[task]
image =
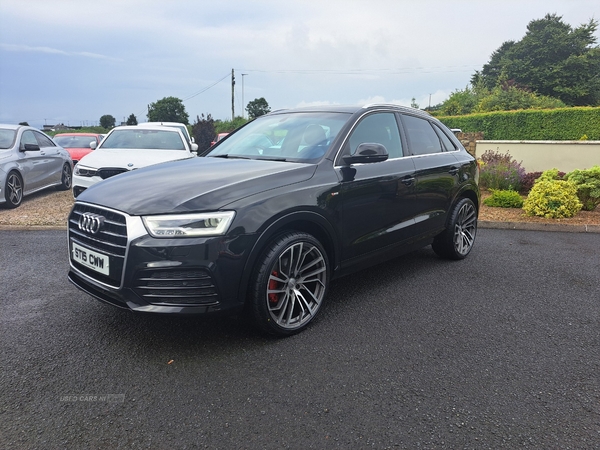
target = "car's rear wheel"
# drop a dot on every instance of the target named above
(66, 178)
(289, 284)
(13, 190)
(457, 240)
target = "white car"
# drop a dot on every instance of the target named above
(128, 148)
(182, 127)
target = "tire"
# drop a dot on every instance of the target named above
(13, 190)
(66, 180)
(457, 240)
(290, 284)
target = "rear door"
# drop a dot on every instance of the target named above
(437, 170)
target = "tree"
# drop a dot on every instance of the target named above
(132, 120)
(461, 102)
(507, 97)
(107, 121)
(228, 126)
(24, 123)
(258, 107)
(169, 109)
(553, 59)
(203, 131)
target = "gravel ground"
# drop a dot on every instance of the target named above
(50, 208)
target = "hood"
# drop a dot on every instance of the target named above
(131, 158)
(77, 153)
(199, 184)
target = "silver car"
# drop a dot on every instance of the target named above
(29, 162)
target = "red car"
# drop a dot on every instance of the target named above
(77, 144)
(218, 138)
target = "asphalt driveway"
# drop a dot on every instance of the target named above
(501, 350)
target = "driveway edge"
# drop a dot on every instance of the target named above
(531, 226)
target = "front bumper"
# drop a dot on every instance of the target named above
(80, 183)
(178, 276)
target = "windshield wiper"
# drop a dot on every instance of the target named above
(229, 156)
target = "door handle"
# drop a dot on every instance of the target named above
(408, 180)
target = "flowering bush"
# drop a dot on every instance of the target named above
(501, 172)
(552, 198)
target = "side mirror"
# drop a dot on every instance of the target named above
(93, 145)
(367, 153)
(31, 148)
(194, 148)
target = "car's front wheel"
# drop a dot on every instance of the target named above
(13, 190)
(66, 180)
(289, 284)
(457, 240)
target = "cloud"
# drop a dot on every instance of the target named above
(55, 51)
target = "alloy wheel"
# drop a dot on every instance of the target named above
(296, 285)
(14, 189)
(465, 228)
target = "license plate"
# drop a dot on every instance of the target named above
(91, 259)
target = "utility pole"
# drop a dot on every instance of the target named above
(233, 96)
(243, 106)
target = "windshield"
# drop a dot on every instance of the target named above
(144, 139)
(7, 138)
(297, 137)
(180, 127)
(74, 141)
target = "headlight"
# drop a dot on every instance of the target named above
(189, 225)
(84, 171)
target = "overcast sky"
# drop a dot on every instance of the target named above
(72, 61)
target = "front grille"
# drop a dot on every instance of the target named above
(108, 172)
(176, 287)
(111, 240)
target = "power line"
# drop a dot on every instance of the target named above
(206, 88)
(370, 71)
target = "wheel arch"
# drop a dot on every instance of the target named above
(304, 221)
(470, 194)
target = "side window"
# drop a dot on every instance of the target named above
(422, 138)
(28, 138)
(43, 141)
(378, 128)
(446, 142)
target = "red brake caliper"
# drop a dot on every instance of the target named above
(273, 284)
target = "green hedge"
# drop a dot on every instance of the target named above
(562, 124)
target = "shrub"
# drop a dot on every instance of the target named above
(552, 174)
(552, 198)
(527, 181)
(588, 186)
(504, 199)
(501, 172)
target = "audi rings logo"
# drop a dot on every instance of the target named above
(91, 223)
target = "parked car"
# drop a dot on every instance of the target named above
(77, 144)
(182, 127)
(262, 225)
(218, 137)
(128, 148)
(29, 162)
